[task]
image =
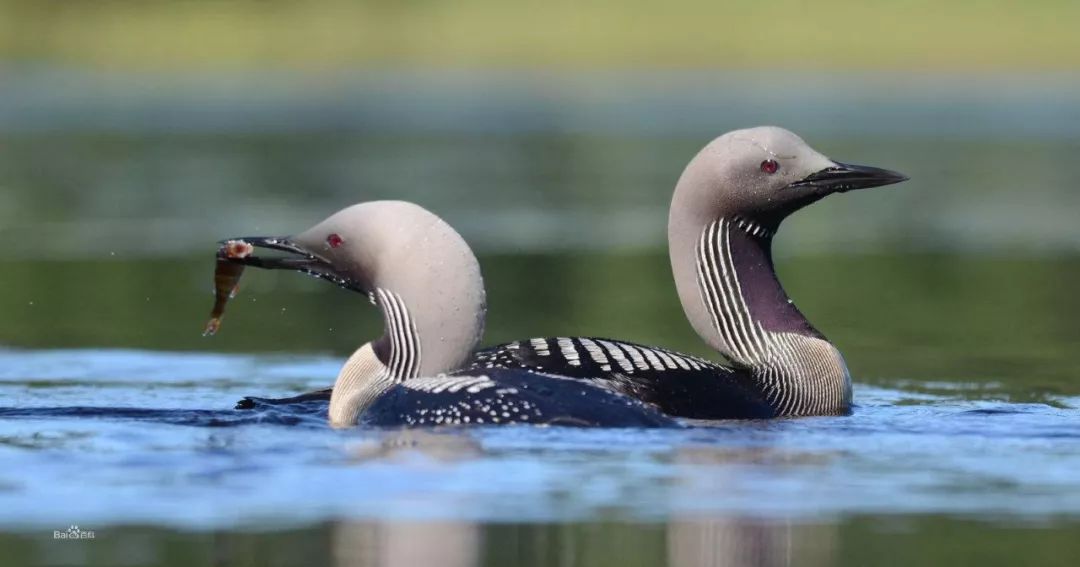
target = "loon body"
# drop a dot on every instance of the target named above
(727, 206)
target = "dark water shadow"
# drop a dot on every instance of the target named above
(299, 415)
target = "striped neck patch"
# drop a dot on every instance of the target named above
(405, 352)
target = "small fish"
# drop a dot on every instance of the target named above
(226, 280)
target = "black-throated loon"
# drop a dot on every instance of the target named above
(426, 281)
(727, 206)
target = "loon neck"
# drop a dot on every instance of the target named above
(728, 287)
(739, 250)
(402, 353)
(399, 349)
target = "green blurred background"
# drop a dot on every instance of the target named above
(198, 34)
(133, 135)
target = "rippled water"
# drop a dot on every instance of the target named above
(953, 298)
(152, 437)
(134, 437)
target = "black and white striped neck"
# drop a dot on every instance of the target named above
(756, 325)
(377, 366)
(753, 227)
(399, 349)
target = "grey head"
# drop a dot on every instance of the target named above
(415, 267)
(765, 174)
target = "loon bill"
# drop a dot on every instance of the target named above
(726, 209)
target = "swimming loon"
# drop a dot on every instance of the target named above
(427, 283)
(726, 209)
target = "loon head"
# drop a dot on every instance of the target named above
(378, 245)
(767, 173)
(414, 266)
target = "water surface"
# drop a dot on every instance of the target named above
(120, 438)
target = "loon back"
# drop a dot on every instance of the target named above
(501, 396)
(676, 384)
(494, 396)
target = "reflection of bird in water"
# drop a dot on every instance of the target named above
(686, 542)
(717, 540)
(439, 445)
(738, 542)
(405, 544)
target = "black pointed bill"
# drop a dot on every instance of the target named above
(295, 257)
(846, 177)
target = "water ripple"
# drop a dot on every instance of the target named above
(106, 443)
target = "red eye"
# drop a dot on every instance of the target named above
(770, 166)
(334, 240)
